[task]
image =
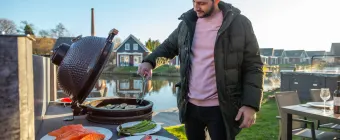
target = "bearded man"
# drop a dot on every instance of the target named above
(221, 85)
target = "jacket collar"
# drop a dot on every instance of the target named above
(191, 15)
(229, 13)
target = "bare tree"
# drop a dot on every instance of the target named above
(44, 33)
(59, 31)
(8, 26)
(117, 42)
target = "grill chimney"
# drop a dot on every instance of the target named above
(92, 22)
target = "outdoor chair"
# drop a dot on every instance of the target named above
(315, 96)
(299, 123)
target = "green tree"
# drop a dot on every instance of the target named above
(152, 44)
(157, 85)
(148, 44)
(27, 28)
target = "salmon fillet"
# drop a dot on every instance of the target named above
(66, 134)
(94, 136)
(75, 134)
(66, 129)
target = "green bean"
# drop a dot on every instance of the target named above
(137, 125)
(142, 124)
(146, 128)
(138, 128)
(127, 129)
(141, 129)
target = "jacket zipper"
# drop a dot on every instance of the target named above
(218, 36)
(188, 48)
(231, 50)
(187, 57)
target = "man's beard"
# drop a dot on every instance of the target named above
(211, 10)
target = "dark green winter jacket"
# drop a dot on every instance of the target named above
(238, 65)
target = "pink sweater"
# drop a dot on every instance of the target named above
(203, 91)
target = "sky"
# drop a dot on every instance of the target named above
(279, 24)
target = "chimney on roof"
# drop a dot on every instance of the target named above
(92, 22)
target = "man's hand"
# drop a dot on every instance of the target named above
(145, 69)
(249, 116)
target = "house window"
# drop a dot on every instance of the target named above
(127, 46)
(135, 46)
(137, 84)
(124, 84)
(137, 60)
(140, 59)
(124, 60)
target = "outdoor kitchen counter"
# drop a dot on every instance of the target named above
(56, 113)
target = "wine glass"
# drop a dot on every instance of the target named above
(325, 95)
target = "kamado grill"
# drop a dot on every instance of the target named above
(79, 67)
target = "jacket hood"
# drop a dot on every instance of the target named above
(224, 7)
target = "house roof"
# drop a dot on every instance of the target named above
(278, 52)
(314, 53)
(267, 51)
(60, 40)
(328, 53)
(294, 53)
(335, 49)
(134, 38)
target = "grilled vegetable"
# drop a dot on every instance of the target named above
(143, 129)
(141, 124)
(138, 128)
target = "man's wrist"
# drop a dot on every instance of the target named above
(254, 108)
(151, 63)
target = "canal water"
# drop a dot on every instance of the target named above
(160, 90)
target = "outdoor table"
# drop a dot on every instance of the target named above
(56, 113)
(304, 111)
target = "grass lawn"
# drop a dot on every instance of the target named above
(266, 127)
(160, 69)
(166, 68)
(126, 69)
(177, 131)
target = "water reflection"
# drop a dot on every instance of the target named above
(128, 86)
(272, 80)
(160, 90)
